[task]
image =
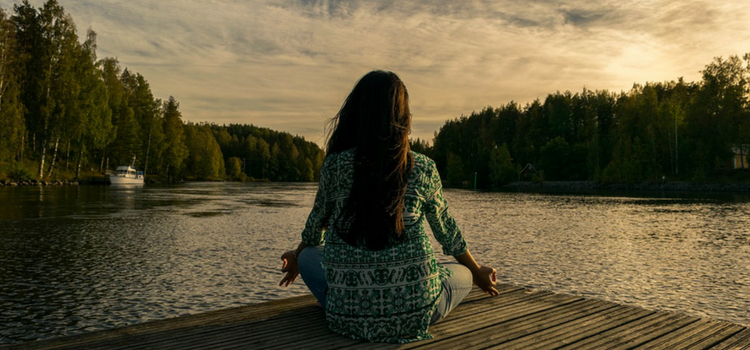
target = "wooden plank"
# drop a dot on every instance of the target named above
(514, 301)
(274, 329)
(314, 341)
(184, 323)
(256, 329)
(739, 341)
(634, 333)
(490, 316)
(577, 329)
(503, 329)
(516, 319)
(699, 335)
(284, 337)
(477, 294)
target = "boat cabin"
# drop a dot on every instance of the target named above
(126, 171)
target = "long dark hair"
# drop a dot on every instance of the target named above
(375, 120)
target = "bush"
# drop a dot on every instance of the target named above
(502, 170)
(20, 174)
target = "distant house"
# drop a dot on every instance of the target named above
(528, 172)
(740, 156)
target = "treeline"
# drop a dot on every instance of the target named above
(676, 130)
(63, 111)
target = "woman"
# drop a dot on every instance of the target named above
(364, 252)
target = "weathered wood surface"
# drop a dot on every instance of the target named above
(517, 319)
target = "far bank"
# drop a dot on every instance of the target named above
(677, 186)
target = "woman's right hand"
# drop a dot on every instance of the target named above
(289, 266)
(486, 278)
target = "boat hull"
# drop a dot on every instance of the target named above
(122, 180)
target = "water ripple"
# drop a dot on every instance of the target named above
(79, 259)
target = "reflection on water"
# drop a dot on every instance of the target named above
(76, 259)
(685, 254)
(82, 258)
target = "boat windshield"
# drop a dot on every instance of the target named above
(125, 172)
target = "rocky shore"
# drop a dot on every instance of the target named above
(11, 183)
(655, 186)
(738, 187)
(90, 181)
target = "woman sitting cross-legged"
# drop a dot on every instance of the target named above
(364, 252)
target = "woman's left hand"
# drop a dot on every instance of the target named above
(290, 267)
(486, 279)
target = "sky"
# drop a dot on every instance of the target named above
(289, 64)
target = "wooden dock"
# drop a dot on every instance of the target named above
(517, 319)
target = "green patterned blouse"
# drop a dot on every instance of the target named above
(387, 295)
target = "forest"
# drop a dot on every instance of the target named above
(64, 114)
(668, 131)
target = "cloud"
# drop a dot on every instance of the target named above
(289, 64)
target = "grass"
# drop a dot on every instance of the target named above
(28, 170)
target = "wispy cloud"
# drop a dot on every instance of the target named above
(289, 64)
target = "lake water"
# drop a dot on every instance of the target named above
(84, 258)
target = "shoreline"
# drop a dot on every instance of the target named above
(676, 186)
(11, 183)
(93, 181)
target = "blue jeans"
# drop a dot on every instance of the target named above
(455, 289)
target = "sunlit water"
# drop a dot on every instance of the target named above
(84, 258)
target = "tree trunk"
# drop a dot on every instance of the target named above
(67, 156)
(54, 157)
(45, 135)
(23, 139)
(41, 161)
(148, 147)
(101, 165)
(671, 154)
(3, 63)
(78, 167)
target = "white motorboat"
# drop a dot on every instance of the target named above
(126, 175)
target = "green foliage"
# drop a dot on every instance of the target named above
(420, 146)
(176, 151)
(205, 160)
(59, 105)
(554, 159)
(682, 130)
(626, 165)
(502, 170)
(269, 154)
(12, 126)
(20, 174)
(234, 169)
(456, 175)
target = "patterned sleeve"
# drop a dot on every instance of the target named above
(315, 226)
(441, 222)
